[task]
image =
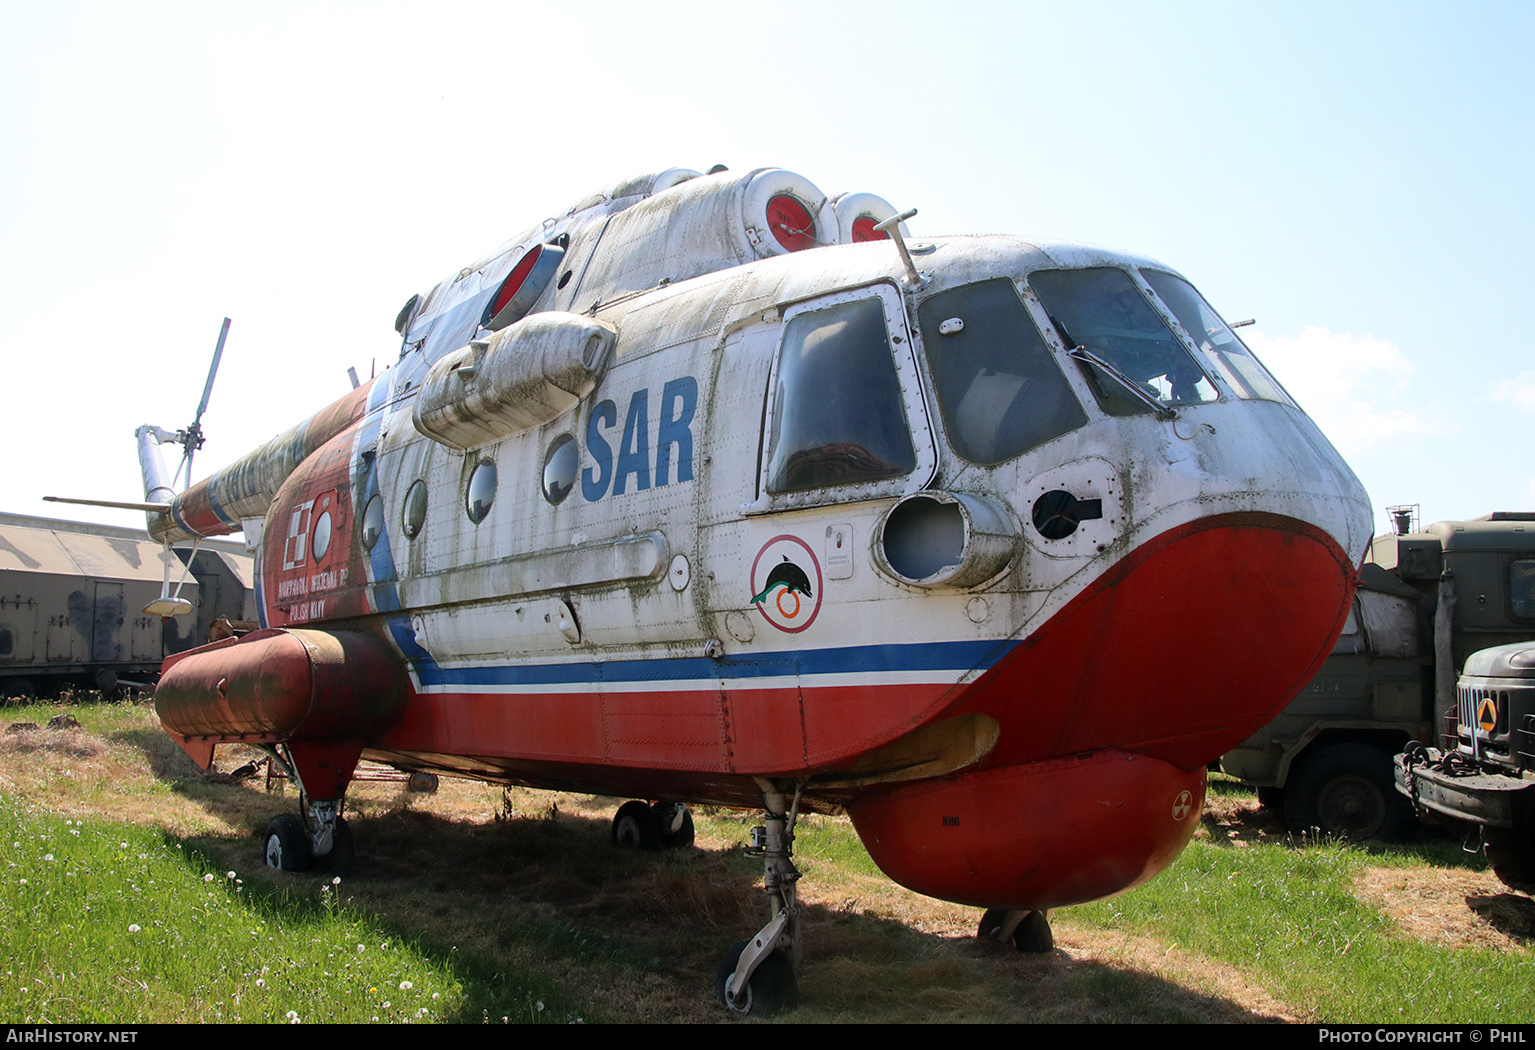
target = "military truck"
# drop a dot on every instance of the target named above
(1427, 600)
(1485, 774)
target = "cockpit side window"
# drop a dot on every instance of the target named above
(999, 388)
(1103, 310)
(1227, 354)
(838, 415)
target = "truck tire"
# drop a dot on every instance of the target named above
(1511, 852)
(1347, 790)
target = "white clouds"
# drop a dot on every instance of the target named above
(1520, 390)
(1353, 386)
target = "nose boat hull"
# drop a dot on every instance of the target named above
(1108, 714)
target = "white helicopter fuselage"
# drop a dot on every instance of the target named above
(995, 552)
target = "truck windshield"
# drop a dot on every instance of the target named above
(1103, 310)
(1000, 390)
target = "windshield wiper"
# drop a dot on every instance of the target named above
(1082, 353)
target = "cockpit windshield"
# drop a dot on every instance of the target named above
(1227, 354)
(1104, 311)
(998, 386)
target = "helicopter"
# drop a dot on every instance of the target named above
(717, 489)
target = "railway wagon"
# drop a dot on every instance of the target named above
(72, 596)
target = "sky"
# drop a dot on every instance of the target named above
(1356, 177)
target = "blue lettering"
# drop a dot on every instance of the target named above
(594, 483)
(634, 448)
(679, 404)
(680, 395)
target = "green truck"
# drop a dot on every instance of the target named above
(1428, 599)
(1484, 776)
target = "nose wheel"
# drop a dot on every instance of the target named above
(756, 976)
(1027, 931)
(770, 989)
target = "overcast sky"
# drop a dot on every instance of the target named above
(1357, 177)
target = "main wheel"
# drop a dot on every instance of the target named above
(287, 844)
(636, 826)
(1032, 936)
(1347, 790)
(772, 987)
(342, 851)
(676, 825)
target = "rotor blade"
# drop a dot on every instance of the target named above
(109, 503)
(218, 352)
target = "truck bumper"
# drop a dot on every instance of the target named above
(1478, 797)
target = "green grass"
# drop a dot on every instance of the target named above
(485, 919)
(1289, 917)
(107, 923)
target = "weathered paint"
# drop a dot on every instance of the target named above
(640, 615)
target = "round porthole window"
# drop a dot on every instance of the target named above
(560, 466)
(321, 539)
(372, 521)
(415, 509)
(482, 491)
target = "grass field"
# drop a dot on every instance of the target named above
(133, 891)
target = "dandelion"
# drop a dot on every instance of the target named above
(436, 995)
(292, 1017)
(48, 856)
(406, 986)
(229, 875)
(261, 982)
(335, 880)
(120, 845)
(134, 927)
(540, 1005)
(386, 1004)
(208, 877)
(362, 948)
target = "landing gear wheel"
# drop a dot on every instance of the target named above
(1032, 935)
(635, 826)
(287, 844)
(1348, 790)
(772, 987)
(342, 850)
(675, 833)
